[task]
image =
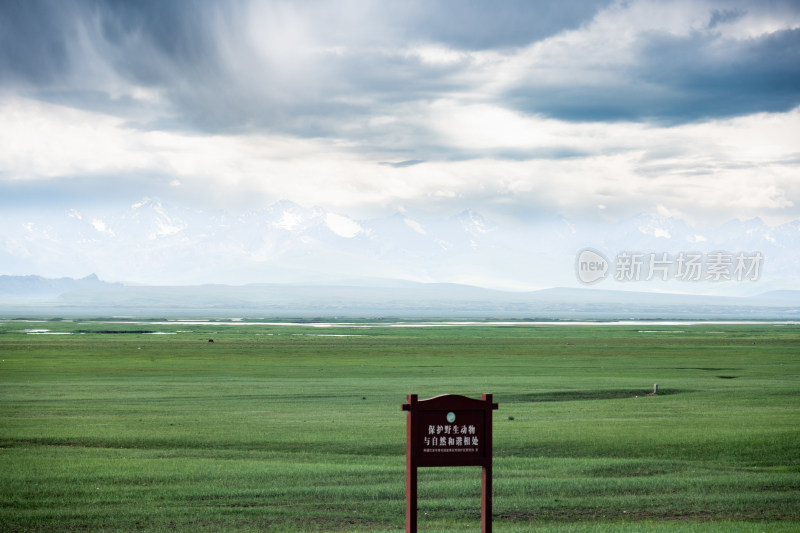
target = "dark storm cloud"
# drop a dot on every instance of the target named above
(153, 42)
(682, 79)
(402, 164)
(723, 16)
(70, 53)
(41, 40)
(32, 41)
(224, 67)
(189, 51)
(723, 79)
(481, 25)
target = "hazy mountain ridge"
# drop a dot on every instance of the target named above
(380, 298)
(38, 287)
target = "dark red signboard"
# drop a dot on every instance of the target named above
(449, 430)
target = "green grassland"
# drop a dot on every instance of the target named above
(300, 428)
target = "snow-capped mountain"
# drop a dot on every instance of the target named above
(152, 242)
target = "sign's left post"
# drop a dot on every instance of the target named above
(411, 466)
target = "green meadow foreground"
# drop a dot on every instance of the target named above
(300, 428)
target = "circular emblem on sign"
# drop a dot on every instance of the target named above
(451, 417)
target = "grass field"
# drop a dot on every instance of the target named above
(299, 428)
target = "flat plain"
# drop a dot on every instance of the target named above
(148, 426)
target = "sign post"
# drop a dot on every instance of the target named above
(449, 430)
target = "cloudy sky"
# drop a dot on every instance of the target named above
(594, 110)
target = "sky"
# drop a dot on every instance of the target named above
(592, 110)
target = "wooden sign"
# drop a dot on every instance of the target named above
(449, 430)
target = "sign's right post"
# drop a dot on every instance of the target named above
(486, 470)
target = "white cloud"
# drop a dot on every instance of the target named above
(342, 226)
(713, 170)
(42, 140)
(416, 226)
(99, 225)
(289, 220)
(438, 55)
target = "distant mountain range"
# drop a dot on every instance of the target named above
(37, 287)
(152, 242)
(37, 296)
